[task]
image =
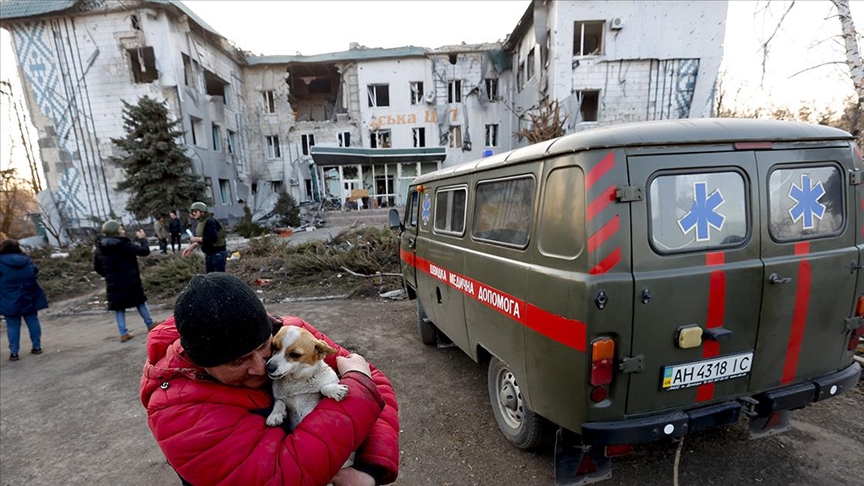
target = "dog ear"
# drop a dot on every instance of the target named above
(324, 349)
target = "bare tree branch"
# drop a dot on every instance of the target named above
(816, 66)
(767, 42)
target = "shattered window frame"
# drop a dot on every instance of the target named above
(307, 140)
(344, 139)
(378, 94)
(232, 142)
(530, 69)
(216, 132)
(596, 29)
(142, 64)
(492, 135)
(269, 102)
(454, 91)
(274, 151)
(492, 89)
(225, 191)
(380, 138)
(595, 106)
(417, 95)
(418, 134)
(454, 136)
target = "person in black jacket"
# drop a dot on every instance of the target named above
(175, 227)
(116, 259)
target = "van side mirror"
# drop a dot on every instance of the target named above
(395, 222)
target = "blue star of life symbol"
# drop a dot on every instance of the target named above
(703, 213)
(427, 208)
(807, 202)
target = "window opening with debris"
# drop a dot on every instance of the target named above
(232, 142)
(379, 95)
(520, 77)
(589, 103)
(454, 91)
(588, 38)
(217, 137)
(215, 86)
(197, 131)
(492, 135)
(455, 136)
(416, 92)
(492, 89)
(225, 191)
(188, 72)
(143, 64)
(273, 149)
(530, 68)
(379, 139)
(269, 101)
(307, 140)
(345, 139)
(419, 135)
(136, 24)
(276, 186)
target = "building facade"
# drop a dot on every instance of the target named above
(348, 126)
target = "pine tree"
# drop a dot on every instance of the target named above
(158, 172)
(286, 210)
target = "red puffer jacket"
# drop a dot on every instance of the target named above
(215, 434)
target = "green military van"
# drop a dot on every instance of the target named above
(645, 281)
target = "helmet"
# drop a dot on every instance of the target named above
(111, 227)
(199, 206)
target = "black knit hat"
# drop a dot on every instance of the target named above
(220, 319)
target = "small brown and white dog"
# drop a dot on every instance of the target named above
(300, 376)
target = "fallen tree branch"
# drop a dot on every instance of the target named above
(379, 274)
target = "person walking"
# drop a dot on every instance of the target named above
(160, 229)
(116, 259)
(174, 229)
(210, 237)
(20, 297)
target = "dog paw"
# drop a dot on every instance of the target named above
(335, 391)
(274, 420)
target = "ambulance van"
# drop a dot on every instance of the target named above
(645, 281)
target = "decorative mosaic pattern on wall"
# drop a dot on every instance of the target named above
(688, 71)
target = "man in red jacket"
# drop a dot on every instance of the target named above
(207, 395)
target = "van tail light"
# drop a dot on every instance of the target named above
(602, 359)
(618, 450)
(857, 333)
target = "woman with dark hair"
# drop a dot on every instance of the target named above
(20, 296)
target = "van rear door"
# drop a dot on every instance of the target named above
(697, 277)
(408, 240)
(808, 246)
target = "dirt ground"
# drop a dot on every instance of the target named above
(72, 415)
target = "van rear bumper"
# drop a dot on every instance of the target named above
(680, 423)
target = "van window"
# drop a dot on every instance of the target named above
(805, 202)
(450, 210)
(691, 212)
(411, 210)
(561, 232)
(503, 211)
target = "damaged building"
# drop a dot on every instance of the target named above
(329, 126)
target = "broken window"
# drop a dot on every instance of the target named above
(345, 139)
(307, 140)
(215, 86)
(530, 66)
(276, 186)
(492, 135)
(454, 91)
(379, 95)
(419, 134)
(379, 139)
(589, 102)
(416, 92)
(209, 183)
(188, 78)
(269, 101)
(455, 136)
(588, 38)
(143, 63)
(217, 137)
(197, 131)
(520, 77)
(225, 191)
(136, 24)
(492, 89)
(273, 149)
(232, 142)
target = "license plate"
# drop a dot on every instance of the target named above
(707, 371)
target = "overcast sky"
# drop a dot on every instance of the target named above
(808, 38)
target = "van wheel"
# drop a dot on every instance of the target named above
(428, 331)
(524, 428)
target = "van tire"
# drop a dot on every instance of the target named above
(519, 424)
(428, 331)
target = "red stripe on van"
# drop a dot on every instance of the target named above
(799, 316)
(599, 170)
(610, 261)
(604, 233)
(407, 257)
(569, 332)
(600, 203)
(716, 315)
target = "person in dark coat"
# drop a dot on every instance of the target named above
(175, 227)
(116, 259)
(20, 296)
